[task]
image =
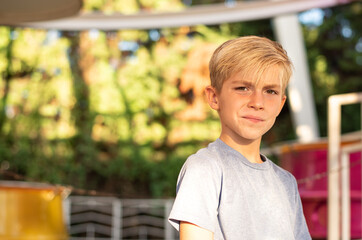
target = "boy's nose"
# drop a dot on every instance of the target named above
(256, 101)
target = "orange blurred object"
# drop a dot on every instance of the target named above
(32, 211)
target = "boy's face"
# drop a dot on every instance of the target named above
(248, 109)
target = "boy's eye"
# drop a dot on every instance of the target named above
(271, 91)
(241, 88)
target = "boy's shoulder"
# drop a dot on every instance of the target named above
(205, 157)
(204, 164)
(208, 152)
(283, 174)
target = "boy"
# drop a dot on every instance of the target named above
(229, 190)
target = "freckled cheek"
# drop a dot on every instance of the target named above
(273, 106)
(231, 106)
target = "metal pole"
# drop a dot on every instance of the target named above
(117, 220)
(67, 212)
(168, 227)
(346, 201)
(334, 137)
(289, 33)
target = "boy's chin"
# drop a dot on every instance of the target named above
(248, 138)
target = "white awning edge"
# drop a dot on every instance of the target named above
(208, 15)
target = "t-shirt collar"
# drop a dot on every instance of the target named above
(227, 150)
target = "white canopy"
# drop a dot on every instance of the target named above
(20, 15)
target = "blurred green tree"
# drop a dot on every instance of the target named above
(334, 49)
(120, 111)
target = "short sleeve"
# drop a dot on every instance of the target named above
(197, 193)
(301, 231)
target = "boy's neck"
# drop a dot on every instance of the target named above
(249, 149)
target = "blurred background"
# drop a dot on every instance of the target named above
(117, 112)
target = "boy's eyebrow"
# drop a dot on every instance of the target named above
(243, 82)
(272, 86)
(250, 83)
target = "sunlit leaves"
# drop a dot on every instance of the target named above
(126, 6)
(91, 5)
(324, 80)
(53, 59)
(162, 5)
(145, 132)
(27, 45)
(4, 42)
(135, 110)
(334, 60)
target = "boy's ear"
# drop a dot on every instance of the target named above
(211, 97)
(284, 98)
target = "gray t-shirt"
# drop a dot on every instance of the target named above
(219, 190)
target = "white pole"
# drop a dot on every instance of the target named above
(334, 139)
(301, 100)
(116, 219)
(168, 227)
(346, 201)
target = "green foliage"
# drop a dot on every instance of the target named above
(334, 54)
(100, 110)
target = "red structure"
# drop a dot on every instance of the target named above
(308, 163)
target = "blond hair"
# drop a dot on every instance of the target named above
(249, 55)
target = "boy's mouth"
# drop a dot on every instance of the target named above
(254, 119)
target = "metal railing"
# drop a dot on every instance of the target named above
(345, 190)
(334, 165)
(101, 218)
